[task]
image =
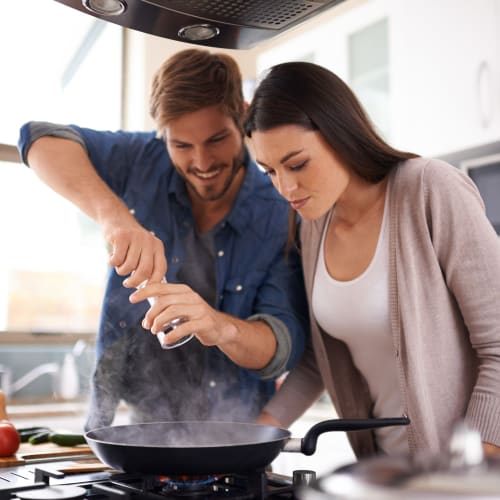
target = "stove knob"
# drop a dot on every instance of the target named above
(303, 477)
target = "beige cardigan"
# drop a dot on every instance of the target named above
(444, 311)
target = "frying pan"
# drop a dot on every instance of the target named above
(193, 448)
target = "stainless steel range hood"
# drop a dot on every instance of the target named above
(232, 24)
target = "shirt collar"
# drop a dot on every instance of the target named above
(240, 215)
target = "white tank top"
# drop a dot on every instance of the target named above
(357, 313)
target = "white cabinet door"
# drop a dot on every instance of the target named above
(445, 85)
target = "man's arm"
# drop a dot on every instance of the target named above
(64, 166)
(271, 340)
(249, 344)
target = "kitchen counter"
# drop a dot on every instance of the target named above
(61, 416)
(43, 452)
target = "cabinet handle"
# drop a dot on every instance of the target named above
(484, 94)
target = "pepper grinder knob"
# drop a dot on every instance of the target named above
(303, 477)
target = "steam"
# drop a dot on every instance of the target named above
(187, 434)
(189, 383)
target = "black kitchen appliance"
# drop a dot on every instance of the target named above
(232, 24)
(482, 165)
(43, 481)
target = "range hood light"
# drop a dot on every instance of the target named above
(198, 32)
(105, 7)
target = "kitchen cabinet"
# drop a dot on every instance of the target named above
(445, 74)
(443, 91)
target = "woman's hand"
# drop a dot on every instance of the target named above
(490, 450)
(267, 419)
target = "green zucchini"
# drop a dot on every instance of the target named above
(40, 437)
(26, 432)
(67, 439)
(30, 429)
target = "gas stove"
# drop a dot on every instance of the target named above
(46, 481)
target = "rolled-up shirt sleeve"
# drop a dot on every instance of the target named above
(278, 364)
(32, 131)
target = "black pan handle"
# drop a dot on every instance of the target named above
(309, 441)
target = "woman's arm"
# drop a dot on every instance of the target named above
(468, 250)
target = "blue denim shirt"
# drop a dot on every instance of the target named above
(253, 277)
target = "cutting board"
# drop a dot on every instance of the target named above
(29, 451)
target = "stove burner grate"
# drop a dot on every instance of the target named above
(47, 482)
(187, 485)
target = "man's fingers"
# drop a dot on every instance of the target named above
(145, 262)
(118, 253)
(159, 316)
(159, 267)
(131, 262)
(141, 274)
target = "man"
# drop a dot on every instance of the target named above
(200, 214)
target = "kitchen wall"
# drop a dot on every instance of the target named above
(435, 89)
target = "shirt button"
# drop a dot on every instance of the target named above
(220, 253)
(175, 260)
(212, 383)
(397, 353)
(132, 211)
(122, 323)
(239, 288)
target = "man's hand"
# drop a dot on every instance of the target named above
(211, 327)
(250, 344)
(137, 252)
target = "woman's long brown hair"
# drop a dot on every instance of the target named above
(309, 95)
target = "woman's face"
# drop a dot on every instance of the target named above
(303, 168)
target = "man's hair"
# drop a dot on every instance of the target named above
(193, 79)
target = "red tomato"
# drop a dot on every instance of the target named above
(9, 439)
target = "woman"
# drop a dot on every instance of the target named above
(402, 270)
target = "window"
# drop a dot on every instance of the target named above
(54, 263)
(64, 69)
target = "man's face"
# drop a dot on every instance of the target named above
(206, 149)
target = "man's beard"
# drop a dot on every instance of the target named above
(237, 164)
